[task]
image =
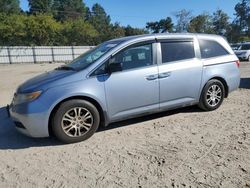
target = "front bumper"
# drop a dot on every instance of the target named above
(27, 122)
(242, 57)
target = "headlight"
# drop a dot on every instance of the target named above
(26, 97)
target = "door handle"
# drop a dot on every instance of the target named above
(164, 75)
(152, 77)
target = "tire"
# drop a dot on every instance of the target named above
(212, 95)
(248, 58)
(75, 121)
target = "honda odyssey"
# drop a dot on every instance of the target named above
(125, 78)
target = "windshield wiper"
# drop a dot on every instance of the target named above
(65, 68)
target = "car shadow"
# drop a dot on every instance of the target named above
(245, 83)
(10, 138)
(190, 109)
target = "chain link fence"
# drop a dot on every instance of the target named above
(40, 54)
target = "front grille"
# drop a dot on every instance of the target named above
(19, 125)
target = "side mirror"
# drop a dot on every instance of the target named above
(114, 67)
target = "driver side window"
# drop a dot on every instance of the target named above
(134, 57)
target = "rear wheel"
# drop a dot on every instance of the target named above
(212, 95)
(75, 121)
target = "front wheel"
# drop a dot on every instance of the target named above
(212, 95)
(75, 121)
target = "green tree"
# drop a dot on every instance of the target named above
(78, 32)
(201, 24)
(116, 31)
(69, 9)
(220, 22)
(242, 10)
(233, 33)
(9, 6)
(42, 30)
(130, 31)
(153, 27)
(12, 29)
(166, 25)
(98, 17)
(40, 6)
(101, 22)
(183, 19)
(162, 26)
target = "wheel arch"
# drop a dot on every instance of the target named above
(222, 80)
(103, 119)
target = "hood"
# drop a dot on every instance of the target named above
(240, 51)
(43, 81)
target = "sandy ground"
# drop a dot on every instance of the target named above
(180, 148)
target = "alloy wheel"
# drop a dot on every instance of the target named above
(77, 122)
(214, 95)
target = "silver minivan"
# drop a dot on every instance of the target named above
(243, 51)
(126, 78)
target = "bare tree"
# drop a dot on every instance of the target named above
(183, 19)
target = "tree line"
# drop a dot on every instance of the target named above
(58, 22)
(71, 22)
(218, 22)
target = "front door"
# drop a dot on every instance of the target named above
(135, 89)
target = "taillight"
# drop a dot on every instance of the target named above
(238, 63)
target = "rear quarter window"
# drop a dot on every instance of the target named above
(211, 49)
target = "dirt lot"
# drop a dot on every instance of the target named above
(180, 148)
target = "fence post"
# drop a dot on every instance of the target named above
(9, 55)
(53, 55)
(73, 53)
(34, 54)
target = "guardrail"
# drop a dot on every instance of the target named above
(40, 54)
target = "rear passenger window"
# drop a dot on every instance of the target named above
(211, 48)
(176, 51)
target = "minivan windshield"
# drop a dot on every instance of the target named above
(235, 46)
(88, 58)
